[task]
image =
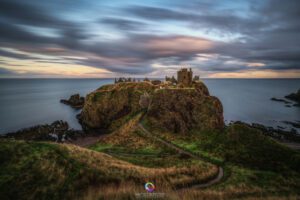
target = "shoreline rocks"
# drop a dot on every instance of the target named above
(294, 124)
(294, 96)
(280, 100)
(277, 134)
(57, 131)
(75, 101)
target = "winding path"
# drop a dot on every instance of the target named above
(86, 141)
(213, 181)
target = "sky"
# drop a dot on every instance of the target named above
(153, 38)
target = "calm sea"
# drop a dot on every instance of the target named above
(28, 102)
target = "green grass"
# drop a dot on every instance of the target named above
(238, 144)
(31, 170)
(193, 147)
(115, 149)
(254, 164)
(259, 182)
(101, 147)
(243, 183)
(39, 170)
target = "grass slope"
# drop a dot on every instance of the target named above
(118, 166)
(255, 165)
(37, 170)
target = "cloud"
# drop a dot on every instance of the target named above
(12, 34)
(15, 55)
(269, 34)
(123, 24)
(4, 71)
(28, 13)
(209, 21)
(264, 32)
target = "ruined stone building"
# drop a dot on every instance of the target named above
(185, 77)
(124, 80)
(171, 79)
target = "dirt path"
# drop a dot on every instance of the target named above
(86, 140)
(182, 151)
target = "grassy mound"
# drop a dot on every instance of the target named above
(239, 144)
(36, 170)
(249, 147)
(245, 183)
(256, 166)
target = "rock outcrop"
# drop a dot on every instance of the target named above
(74, 101)
(168, 107)
(294, 96)
(181, 110)
(112, 104)
(57, 131)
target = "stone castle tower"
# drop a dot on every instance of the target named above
(185, 77)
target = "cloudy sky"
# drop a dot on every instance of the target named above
(106, 38)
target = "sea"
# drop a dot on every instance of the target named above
(29, 102)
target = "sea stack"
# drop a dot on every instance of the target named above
(178, 106)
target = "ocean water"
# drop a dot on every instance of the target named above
(28, 102)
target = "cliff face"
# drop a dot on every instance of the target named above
(180, 110)
(112, 103)
(174, 109)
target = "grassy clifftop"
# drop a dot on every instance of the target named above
(109, 106)
(170, 107)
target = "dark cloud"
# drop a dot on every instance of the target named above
(156, 13)
(11, 33)
(124, 24)
(15, 13)
(271, 33)
(25, 12)
(210, 21)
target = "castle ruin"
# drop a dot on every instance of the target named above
(185, 77)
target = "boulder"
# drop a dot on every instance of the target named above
(75, 101)
(45, 132)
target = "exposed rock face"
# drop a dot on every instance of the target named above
(171, 108)
(57, 131)
(181, 110)
(113, 102)
(75, 101)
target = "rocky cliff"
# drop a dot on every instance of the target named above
(111, 105)
(171, 108)
(181, 110)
